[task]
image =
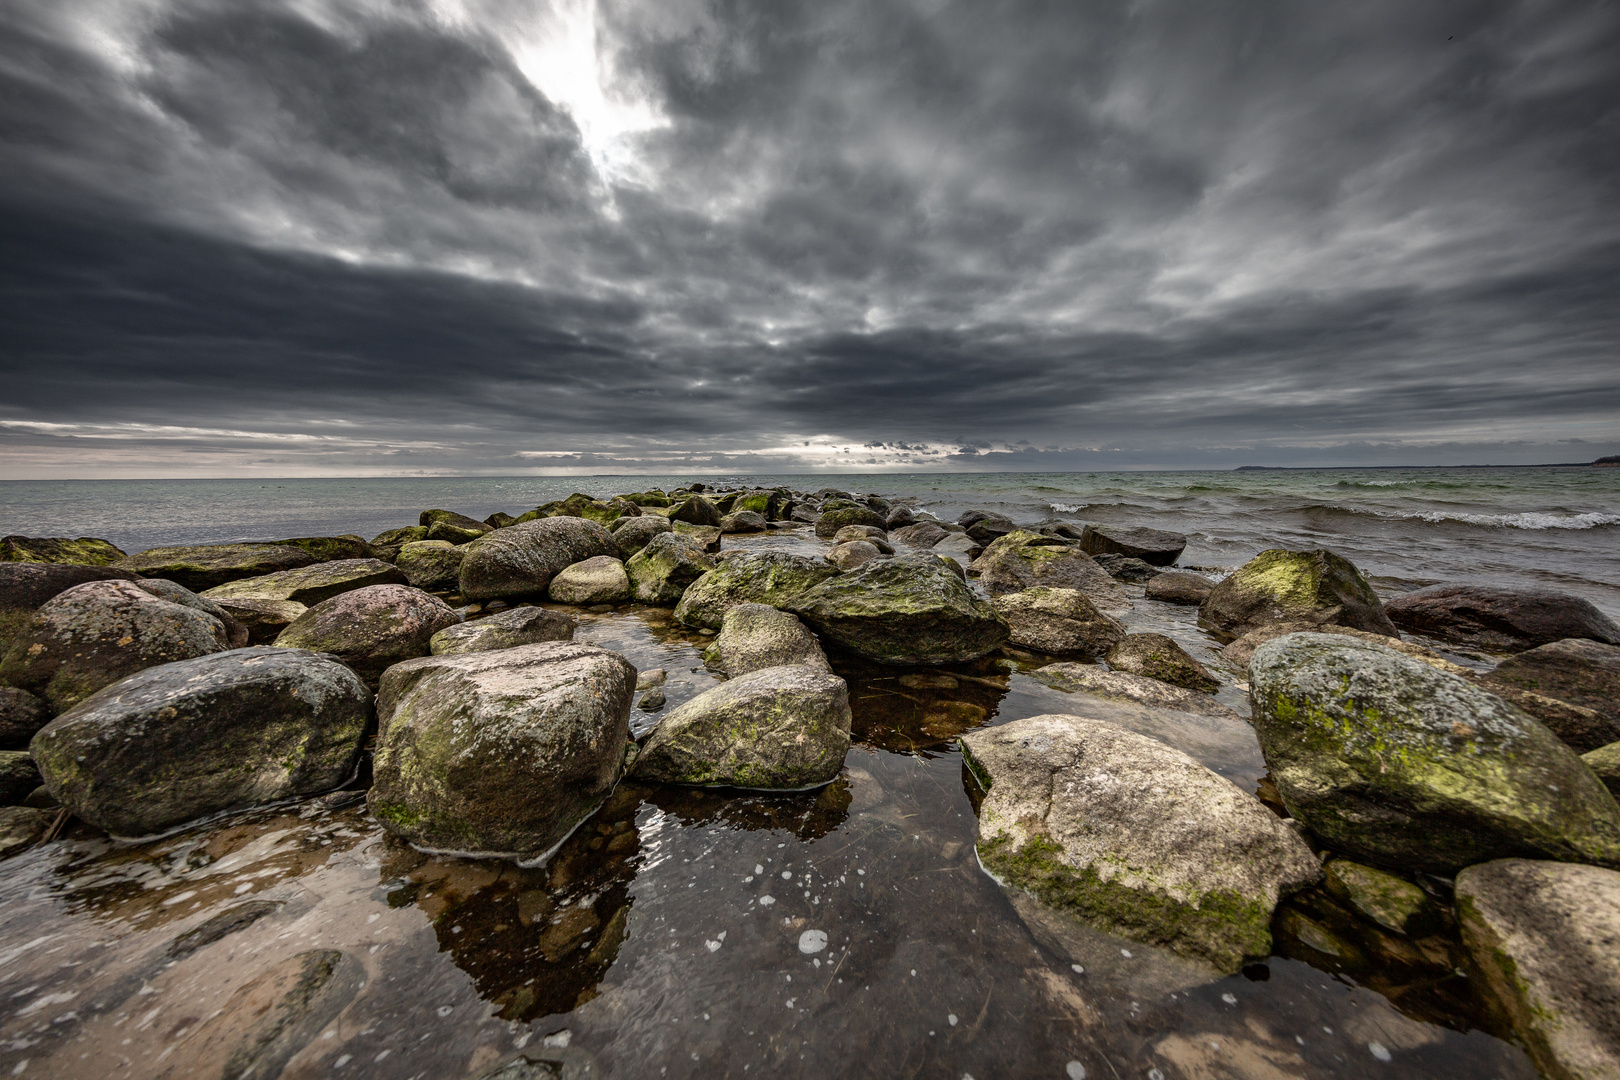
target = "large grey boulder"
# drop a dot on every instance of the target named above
(695, 510)
(1402, 765)
(1154, 656)
(525, 625)
(764, 577)
(264, 620)
(661, 571)
(1026, 560)
(758, 636)
(744, 521)
(1545, 937)
(372, 628)
(522, 559)
(923, 534)
(1240, 651)
(1133, 837)
(852, 553)
(1123, 686)
(598, 580)
(94, 634)
(909, 609)
(310, 585)
(781, 728)
(1576, 671)
(21, 714)
(24, 586)
(1154, 546)
(1179, 587)
(179, 741)
(1061, 622)
(984, 527)
(1500, 618)
(829, 522)
(630, 534)
(235, 632)
(202, 566)
(1276, 586)
(502, 752)
(431, 565)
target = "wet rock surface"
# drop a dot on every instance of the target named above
(1154, 656)
(524, 625)
(521, 560)
(310, 585)
(1157, 547)
(1179, 587)
(200, 567)
(598, 580)
(1575, 671)
(756, 636)
(661, 571)
(765, 577)
(1314, 586)
(1500, 619)
(1057, 621)
(372, 628)
(1124, 686)
(1021, 560)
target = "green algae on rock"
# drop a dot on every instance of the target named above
(763, 577)
(661, 571)
(630, 534)
(202, 566)
(524, 625)
(1393, 903)
(601, 579)
(1057, 621)
(1022, 559)
(500, 752)
(1402, 765)
(521, 560)
(329, 548)
(758, 636)
(1605, 763)
(1133, 837)
(85, 551)
(433, 565)
(309, 585)
(1155, 656)
(828, 524)
(1278, 585)
(1572, 672)
(371, 628)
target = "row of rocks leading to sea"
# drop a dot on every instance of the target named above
(158, 688)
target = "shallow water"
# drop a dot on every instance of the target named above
(688, 933)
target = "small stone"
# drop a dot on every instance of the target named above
(652, 700)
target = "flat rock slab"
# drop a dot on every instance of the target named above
(1154, 546)
(177, 742)
(756, 577)
(1546, 938)
(1578, 671)
(1499, 618)
(309, 585)
(1405, 766)
(1133, 837)
(200, 567)
(1314, 586)
(526, 625)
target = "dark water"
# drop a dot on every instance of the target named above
(677, 933)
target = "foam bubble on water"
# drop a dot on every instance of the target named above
(1379, 1051)
(767, 900)
(1075, 1071)
(812, 941)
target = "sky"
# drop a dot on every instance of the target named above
(456, 237)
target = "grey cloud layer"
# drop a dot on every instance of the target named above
(239, 236)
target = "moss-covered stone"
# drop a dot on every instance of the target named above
(521, 560)
(764, 577)
(661, 571)
(1315, 586)
(1022, 559)
(328, 548)
(85, 551)
(1605, 765)
(1572, 672)
(264, 619)
(385, 545)
(601, 511)
(310, 585)
(372, 628)
(756, 636)
(434, 565)
(1062, 622)
(1155, 656)
(830, 521)
(695, 510)
(600, 579)
(630, 534)
(202, 566)
(1393, 903)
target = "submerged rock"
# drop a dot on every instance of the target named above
(372, 628)
(1500, 618)
(1122, 686)
(431, 565)
(310, 585)
(764, 577)
(21, 714)
(1577, 671)
(909, 609)
(1179, 587)
(782, 728)
(1405, 766)
(1154, 546)
(661, 571)
(630, 534)
(1133, 837)
(263, 619)
(85, 551)
(202, 566)
(526, 625)
(757, 636)
(1545, 936)
(1393, 903)
(1057, 621)
(503, 752)
(598, 580)
(1026, 560)
(521, 560)
(187, 739)
(1155, 656)
(1313, 586)
(94, 634)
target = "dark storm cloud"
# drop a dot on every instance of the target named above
(498, 236)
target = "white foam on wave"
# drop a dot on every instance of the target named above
(1531, 519)
(1068, 508)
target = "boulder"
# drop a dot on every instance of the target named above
(830, 521)
(500, 752)
(460, 522)
(1399, 764)
(906, 610)
(1276, 586)
(21, 828)
(984, 528)
(85, 551)
(1124, 568)
(311, 584)
(328, 548)
(1239, 652)
(780, 728)
(598, 580)
(653, 497)
(899, 517)
(757, 636)
(958, 545)
(264, 620)
(432, 565)
(179, 741)
(386, 545)
(1605, 764)
(202, 566)
(1545, 939)
(500, 519)
(706, 537)
(451, 533)
(1154, 656)
(695, 510)
(924, 534)
(236, 634)
(18, 776)
(1154, 546)
(630, 534)
(21, 714)
(25, 586)
(1179, 587)
(525, 625)
(1393, 903)
(1057, 621)
(804, 514)
(1577, 671)
(1500, 618)
(1025, 560)
(371, 629)
(521, 560)
(874, 536)
(848, 556)
(763, 577)
(743, 521)
(1122, 686)
(97, 633)
(661, 571)
(1133, 837)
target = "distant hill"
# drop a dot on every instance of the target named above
(1612, 460)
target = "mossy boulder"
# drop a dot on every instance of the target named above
(852, 553)
(757, 636)
(601, 511)
(1022, 559)
(25, 586)
(311, 584)
(631, 534)
(1313, 586)
(780, 728)
(452, 533)
(1239, 652)
(653, 497)
(385, 545)
(433, 565)
(177, 742)
(18, 776)
(263, 619)
(95, 634)
(598, 580)
(1404, 766)
(521, 560)
(923, 534)
(328, 548)
(1133, 837)
(1500, 618)
(661, 571)
(706, 537)
(1155, 656)
(525, 625)
(1544, 938)
(1062, 622)
(429, 518)
(909, 609)
(21, 714)
(372, 628)
(984, 527)
(1605, 764)
(1392, 902)
(743, 521)
(764, 577)
(695, 510)
(85, 551)
(500, 752)
(830, 521)
(200, 567)
(1576, 671)
(21, 827)
(1156, 547)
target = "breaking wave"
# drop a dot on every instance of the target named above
(1532, 519)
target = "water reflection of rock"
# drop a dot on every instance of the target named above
(535, 941)
(808, 815)
(918, 709)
